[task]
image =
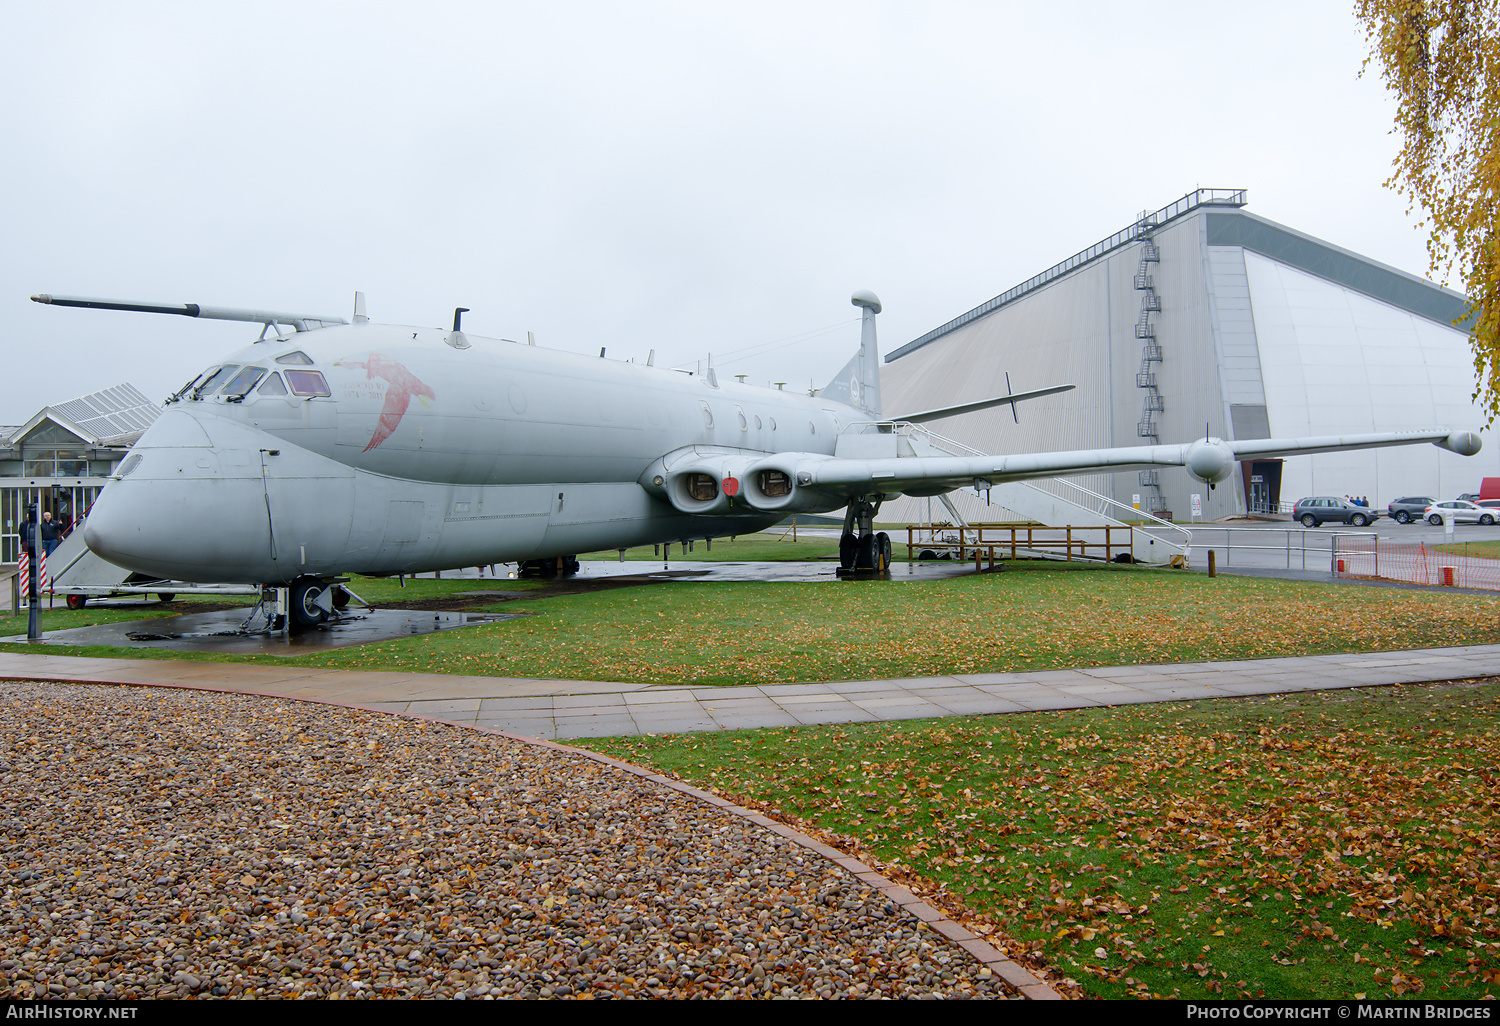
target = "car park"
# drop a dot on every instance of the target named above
(1460, 511)
(1316, 510)
(1409, 509)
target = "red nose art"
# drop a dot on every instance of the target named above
(731, 486)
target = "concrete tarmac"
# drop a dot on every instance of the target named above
(562, 709)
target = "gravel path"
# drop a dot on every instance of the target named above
(163, 843)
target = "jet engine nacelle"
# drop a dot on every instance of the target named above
(711, 484)
(1210, 460)
(785, 484)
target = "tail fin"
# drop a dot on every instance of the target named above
(858, 384)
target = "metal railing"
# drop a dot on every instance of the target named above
(1292, 547)
(1096, 544)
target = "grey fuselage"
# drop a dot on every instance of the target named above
(429, 455)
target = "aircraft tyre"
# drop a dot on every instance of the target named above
(340, 598)
(305, 612)
(848, 551)
(77, 601)
(869, 553)
(883, 542)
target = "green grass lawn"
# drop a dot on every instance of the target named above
(1032, 616)
(1328, 845)
(1477, 549)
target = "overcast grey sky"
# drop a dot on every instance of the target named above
(688, 177)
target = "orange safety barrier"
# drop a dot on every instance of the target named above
(1367, 556)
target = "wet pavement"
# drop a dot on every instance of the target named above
(220, 632)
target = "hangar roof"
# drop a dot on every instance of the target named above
(1228, 225)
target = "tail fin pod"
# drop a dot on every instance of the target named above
(858, 384)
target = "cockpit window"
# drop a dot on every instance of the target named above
(272, 385)
(243, 382)
(305, 382)
(295, 356)
(215, 379)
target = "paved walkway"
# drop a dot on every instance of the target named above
(561, 709)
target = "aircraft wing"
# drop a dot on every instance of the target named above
(983, 404)
(816, 479)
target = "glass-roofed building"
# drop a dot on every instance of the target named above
(63, 455)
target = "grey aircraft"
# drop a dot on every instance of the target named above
(344, 447)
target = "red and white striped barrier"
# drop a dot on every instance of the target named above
(44, 583)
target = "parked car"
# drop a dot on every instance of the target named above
(1317, 510)
(1460, 512)
(1413, 507)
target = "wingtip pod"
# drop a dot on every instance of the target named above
(1210, 460)
(1465, 443)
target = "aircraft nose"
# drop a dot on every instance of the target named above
(103, 529)
(124, 527)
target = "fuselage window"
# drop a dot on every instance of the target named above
(295, 356)
(304, 382)
(757, 422)
(216, 379)
(243, 382)
(773, 423)
(272, 385)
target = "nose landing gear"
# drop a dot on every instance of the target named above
(310, 602)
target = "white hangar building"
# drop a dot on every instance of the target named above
(1201, 317)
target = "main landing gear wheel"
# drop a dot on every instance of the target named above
(311, 602)
(848, 551)
(860, 547)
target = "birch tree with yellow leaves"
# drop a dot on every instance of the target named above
(1441, 61)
